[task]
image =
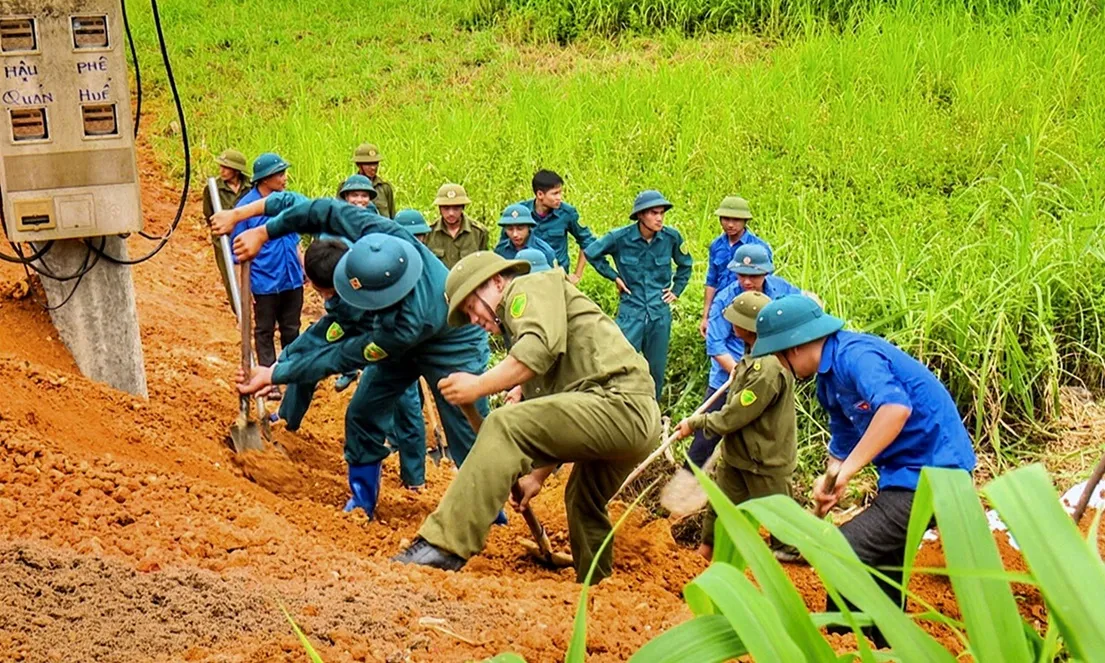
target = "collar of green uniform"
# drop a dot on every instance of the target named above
(636, 233)
(465, 225)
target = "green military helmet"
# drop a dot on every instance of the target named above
(751, 260)
(734, 207)
(451, 194)
(744, 309)
(267, 165)
(470, 273)
(791, 321)
(357, 183)
(379, 271)
(413, 221)
(234, 160)
(366, 153)
(516, 215)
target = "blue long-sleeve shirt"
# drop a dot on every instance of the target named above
(718, 274)
(860, 373)
(276, 268)
(720, 337)
(644, 266)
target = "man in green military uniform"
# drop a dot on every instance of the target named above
(367, 159)
(232, 183)
(588, 401)
(454, 235)
(759, 448)
(643, 253)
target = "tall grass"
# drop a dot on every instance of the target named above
(936, 174)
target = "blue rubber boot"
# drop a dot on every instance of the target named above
(364, 482)
(344, 380)
(500, 519)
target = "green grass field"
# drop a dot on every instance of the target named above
(936, 173)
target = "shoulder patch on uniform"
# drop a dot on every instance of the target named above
(747, 397)
(373, 352)
(334, 332)
(518, 305)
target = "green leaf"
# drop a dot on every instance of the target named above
(1070, 576)
(987, 606)
(508, 657)
(830, 555)
(311, 653)
(708, 639)
(750, 614)
(823, 619)
(577, 648)
(774, 582)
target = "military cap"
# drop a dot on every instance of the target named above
(537, 260)
(451, 194)
(734, 207)
(234, 160)
(267, 165)
(357, 183)
(516, 215)
(366, 153)
(751, 260)
(791, 321)
(647, 200)
(379, 271)
(470, 273)
(413, 221)
(744, 309)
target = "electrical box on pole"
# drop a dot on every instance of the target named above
(67, 157)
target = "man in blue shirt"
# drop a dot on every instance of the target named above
(518, 224)
(643, 253)
(733, 214)
(276, 273)
(884, 407)
(557, 219)
(752, 271)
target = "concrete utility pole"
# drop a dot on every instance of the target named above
(69, 174)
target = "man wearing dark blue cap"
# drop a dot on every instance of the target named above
(643, 254)
(401, 284)
(276, 274)
(518, 225)
(884, 407)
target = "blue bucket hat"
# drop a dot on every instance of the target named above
(537, 260)
(413, 221)
(516, 215)
(791, 321)
(268, 164)
(751, 260)
(357, 183)
(377, 272)
(647, 200)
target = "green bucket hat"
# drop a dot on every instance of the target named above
(234, 160)
(744, 309)
(470, 273)
(357, 183)
(366, 153)
(451, 194)
(413, 221)
(734, 207)
(267, 165)
(377, 272)
(516, 215)
(751, 260)
(791, 321)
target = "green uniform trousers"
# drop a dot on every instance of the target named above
(605, 434)
(649, 334)
(741, 486)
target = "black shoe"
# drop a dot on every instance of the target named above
(424, 553)
(788, 555)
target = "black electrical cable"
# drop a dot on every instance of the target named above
(164, 239)
(137, 69)
(31, 258)
(85, 268)
(48, 272)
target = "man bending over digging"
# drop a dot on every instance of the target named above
(589, 400)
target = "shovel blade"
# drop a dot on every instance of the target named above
(546, 558)
(247, 437)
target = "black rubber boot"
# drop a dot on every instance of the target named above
(424, 553)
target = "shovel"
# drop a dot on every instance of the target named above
(236, 299)
(540, 548)
(245, 433)
(439, 448)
